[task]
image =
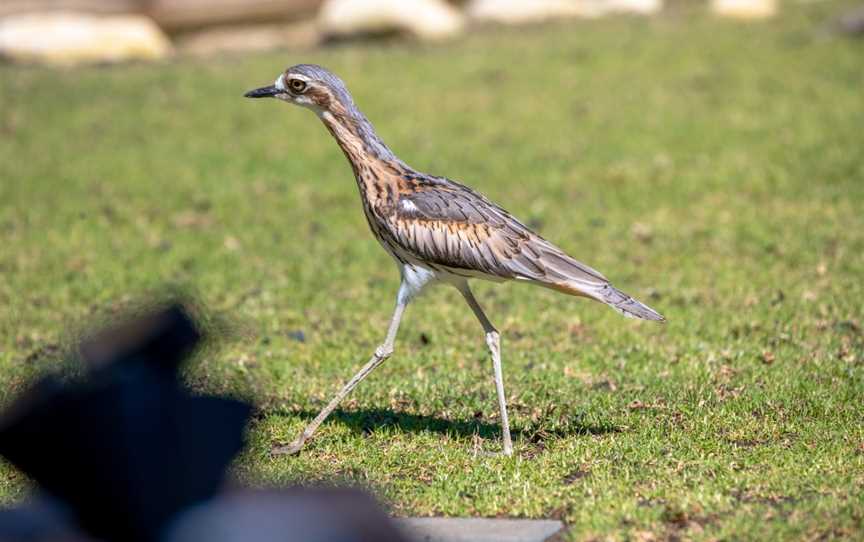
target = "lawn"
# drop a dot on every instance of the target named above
(713, 169)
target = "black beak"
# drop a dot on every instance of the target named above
(263, 92)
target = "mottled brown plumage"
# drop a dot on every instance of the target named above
(435, 228)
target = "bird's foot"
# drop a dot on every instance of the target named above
(507, 451)
(502, 453)
(290, 449)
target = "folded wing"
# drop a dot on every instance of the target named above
(452, 226)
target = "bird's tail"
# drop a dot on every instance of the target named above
(625, 304)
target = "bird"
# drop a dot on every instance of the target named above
(437, 230)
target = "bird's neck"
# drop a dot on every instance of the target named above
(364, 149)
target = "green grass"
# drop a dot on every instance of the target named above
(711, 168)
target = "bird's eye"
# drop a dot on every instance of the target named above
(297, 85)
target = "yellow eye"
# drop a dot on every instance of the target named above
(297, 85)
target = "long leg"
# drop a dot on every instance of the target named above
(493, 340)
(381, 354)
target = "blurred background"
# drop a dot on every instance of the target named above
(705, 156)
(68, 31)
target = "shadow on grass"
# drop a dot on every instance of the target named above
(368, 420)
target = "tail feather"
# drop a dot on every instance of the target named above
(625, 304)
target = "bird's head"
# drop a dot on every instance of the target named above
(310, 86)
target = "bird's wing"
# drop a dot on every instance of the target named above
(453, 226)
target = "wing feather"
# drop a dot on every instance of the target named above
(448, 224)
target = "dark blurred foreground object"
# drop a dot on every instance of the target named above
(302, 515)
(129, 446)
(123, 452)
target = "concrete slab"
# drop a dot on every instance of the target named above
(478, 529)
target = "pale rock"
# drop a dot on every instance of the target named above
(520, 11)
(242, 38)
(71, 38)
(635, 7)
(745, 9)
(425, 19)
(194, 15)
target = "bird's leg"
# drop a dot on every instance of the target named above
(493, 340)
(381, 354)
